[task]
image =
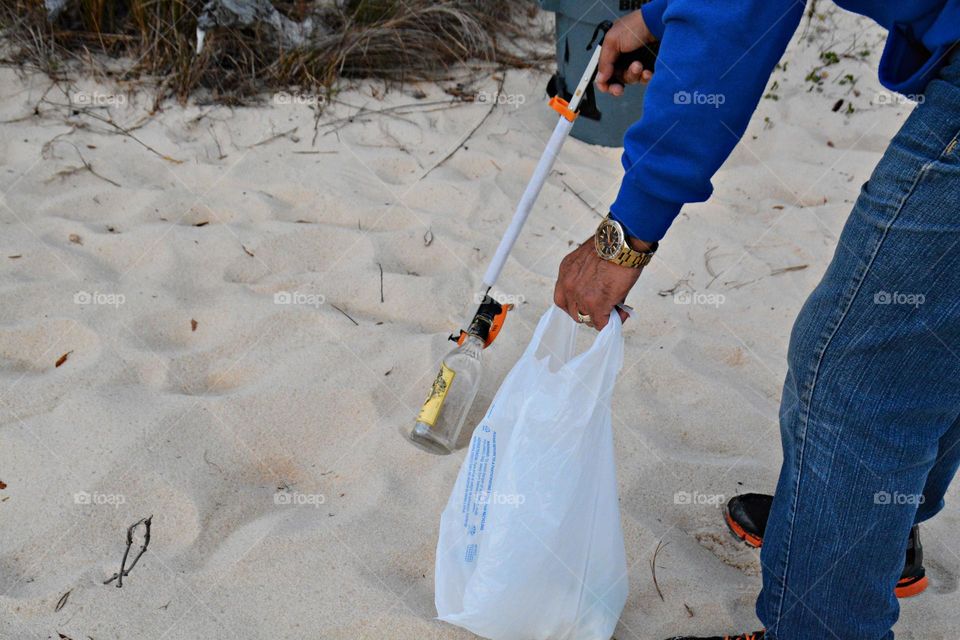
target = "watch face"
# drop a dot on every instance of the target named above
(609, 239)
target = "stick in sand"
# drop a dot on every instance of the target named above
(124, 569)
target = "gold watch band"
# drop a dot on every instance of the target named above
(632, 258)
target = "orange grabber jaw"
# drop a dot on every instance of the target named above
(562, 107)
(486, 323)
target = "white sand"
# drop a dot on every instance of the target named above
(205, 428)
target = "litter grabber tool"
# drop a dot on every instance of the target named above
(454, 389)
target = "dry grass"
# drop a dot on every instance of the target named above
(155, 42)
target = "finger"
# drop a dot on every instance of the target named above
(600, 319)
(575, 310)
(599, 313)
(623, 314)
(633, 73)
(647, 75)
(609, 52)
(616, 90)
(602, 82)
(565, 301)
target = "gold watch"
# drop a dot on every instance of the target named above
(610, 241)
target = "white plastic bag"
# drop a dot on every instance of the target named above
(530, 542)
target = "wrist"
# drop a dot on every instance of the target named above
(640, 245)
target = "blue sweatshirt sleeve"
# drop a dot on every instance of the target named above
(714, 62)
(653, 16)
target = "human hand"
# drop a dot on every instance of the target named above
(589, 285)
(627, 34)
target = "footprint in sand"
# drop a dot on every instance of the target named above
(729, 551)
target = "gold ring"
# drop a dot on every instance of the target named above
(584, 319)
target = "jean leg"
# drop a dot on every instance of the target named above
(942, 473)
(871, 392)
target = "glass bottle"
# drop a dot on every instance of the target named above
(441, 418)
(454, 390)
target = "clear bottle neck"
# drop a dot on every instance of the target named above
(472, 344)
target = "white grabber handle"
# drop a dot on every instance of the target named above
(568, 113)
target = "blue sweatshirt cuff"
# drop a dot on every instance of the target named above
(653, 16)
(642, 215)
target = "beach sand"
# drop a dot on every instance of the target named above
(223, 323)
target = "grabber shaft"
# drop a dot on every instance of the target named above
(568, 113)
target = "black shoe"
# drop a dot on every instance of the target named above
(757, 635)
(913, 580)
(746, 517)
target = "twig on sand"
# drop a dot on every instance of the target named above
(124, 569)
(275, 136)
(796, 267)
(62, 601)
(362, 114)
(733, 284)
(580, 198)
(463, 141)
(706, 261)
(773, 272)
(345, 313)
(381, 281)
(653, 567)
(85, 166)
(211, 462)
(221, 155)
(120, 130)
(681, 283)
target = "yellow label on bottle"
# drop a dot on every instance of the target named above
(438, 393)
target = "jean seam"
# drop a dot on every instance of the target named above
(808, 396)
(950, 149)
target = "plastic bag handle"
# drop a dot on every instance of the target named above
(557, 318)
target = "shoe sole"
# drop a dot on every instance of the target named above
(906, 587)
(909, 587)
(740, 533)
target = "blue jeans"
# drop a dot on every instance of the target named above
(870, 414)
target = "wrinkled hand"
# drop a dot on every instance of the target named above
(627, 34)
(592, 286)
